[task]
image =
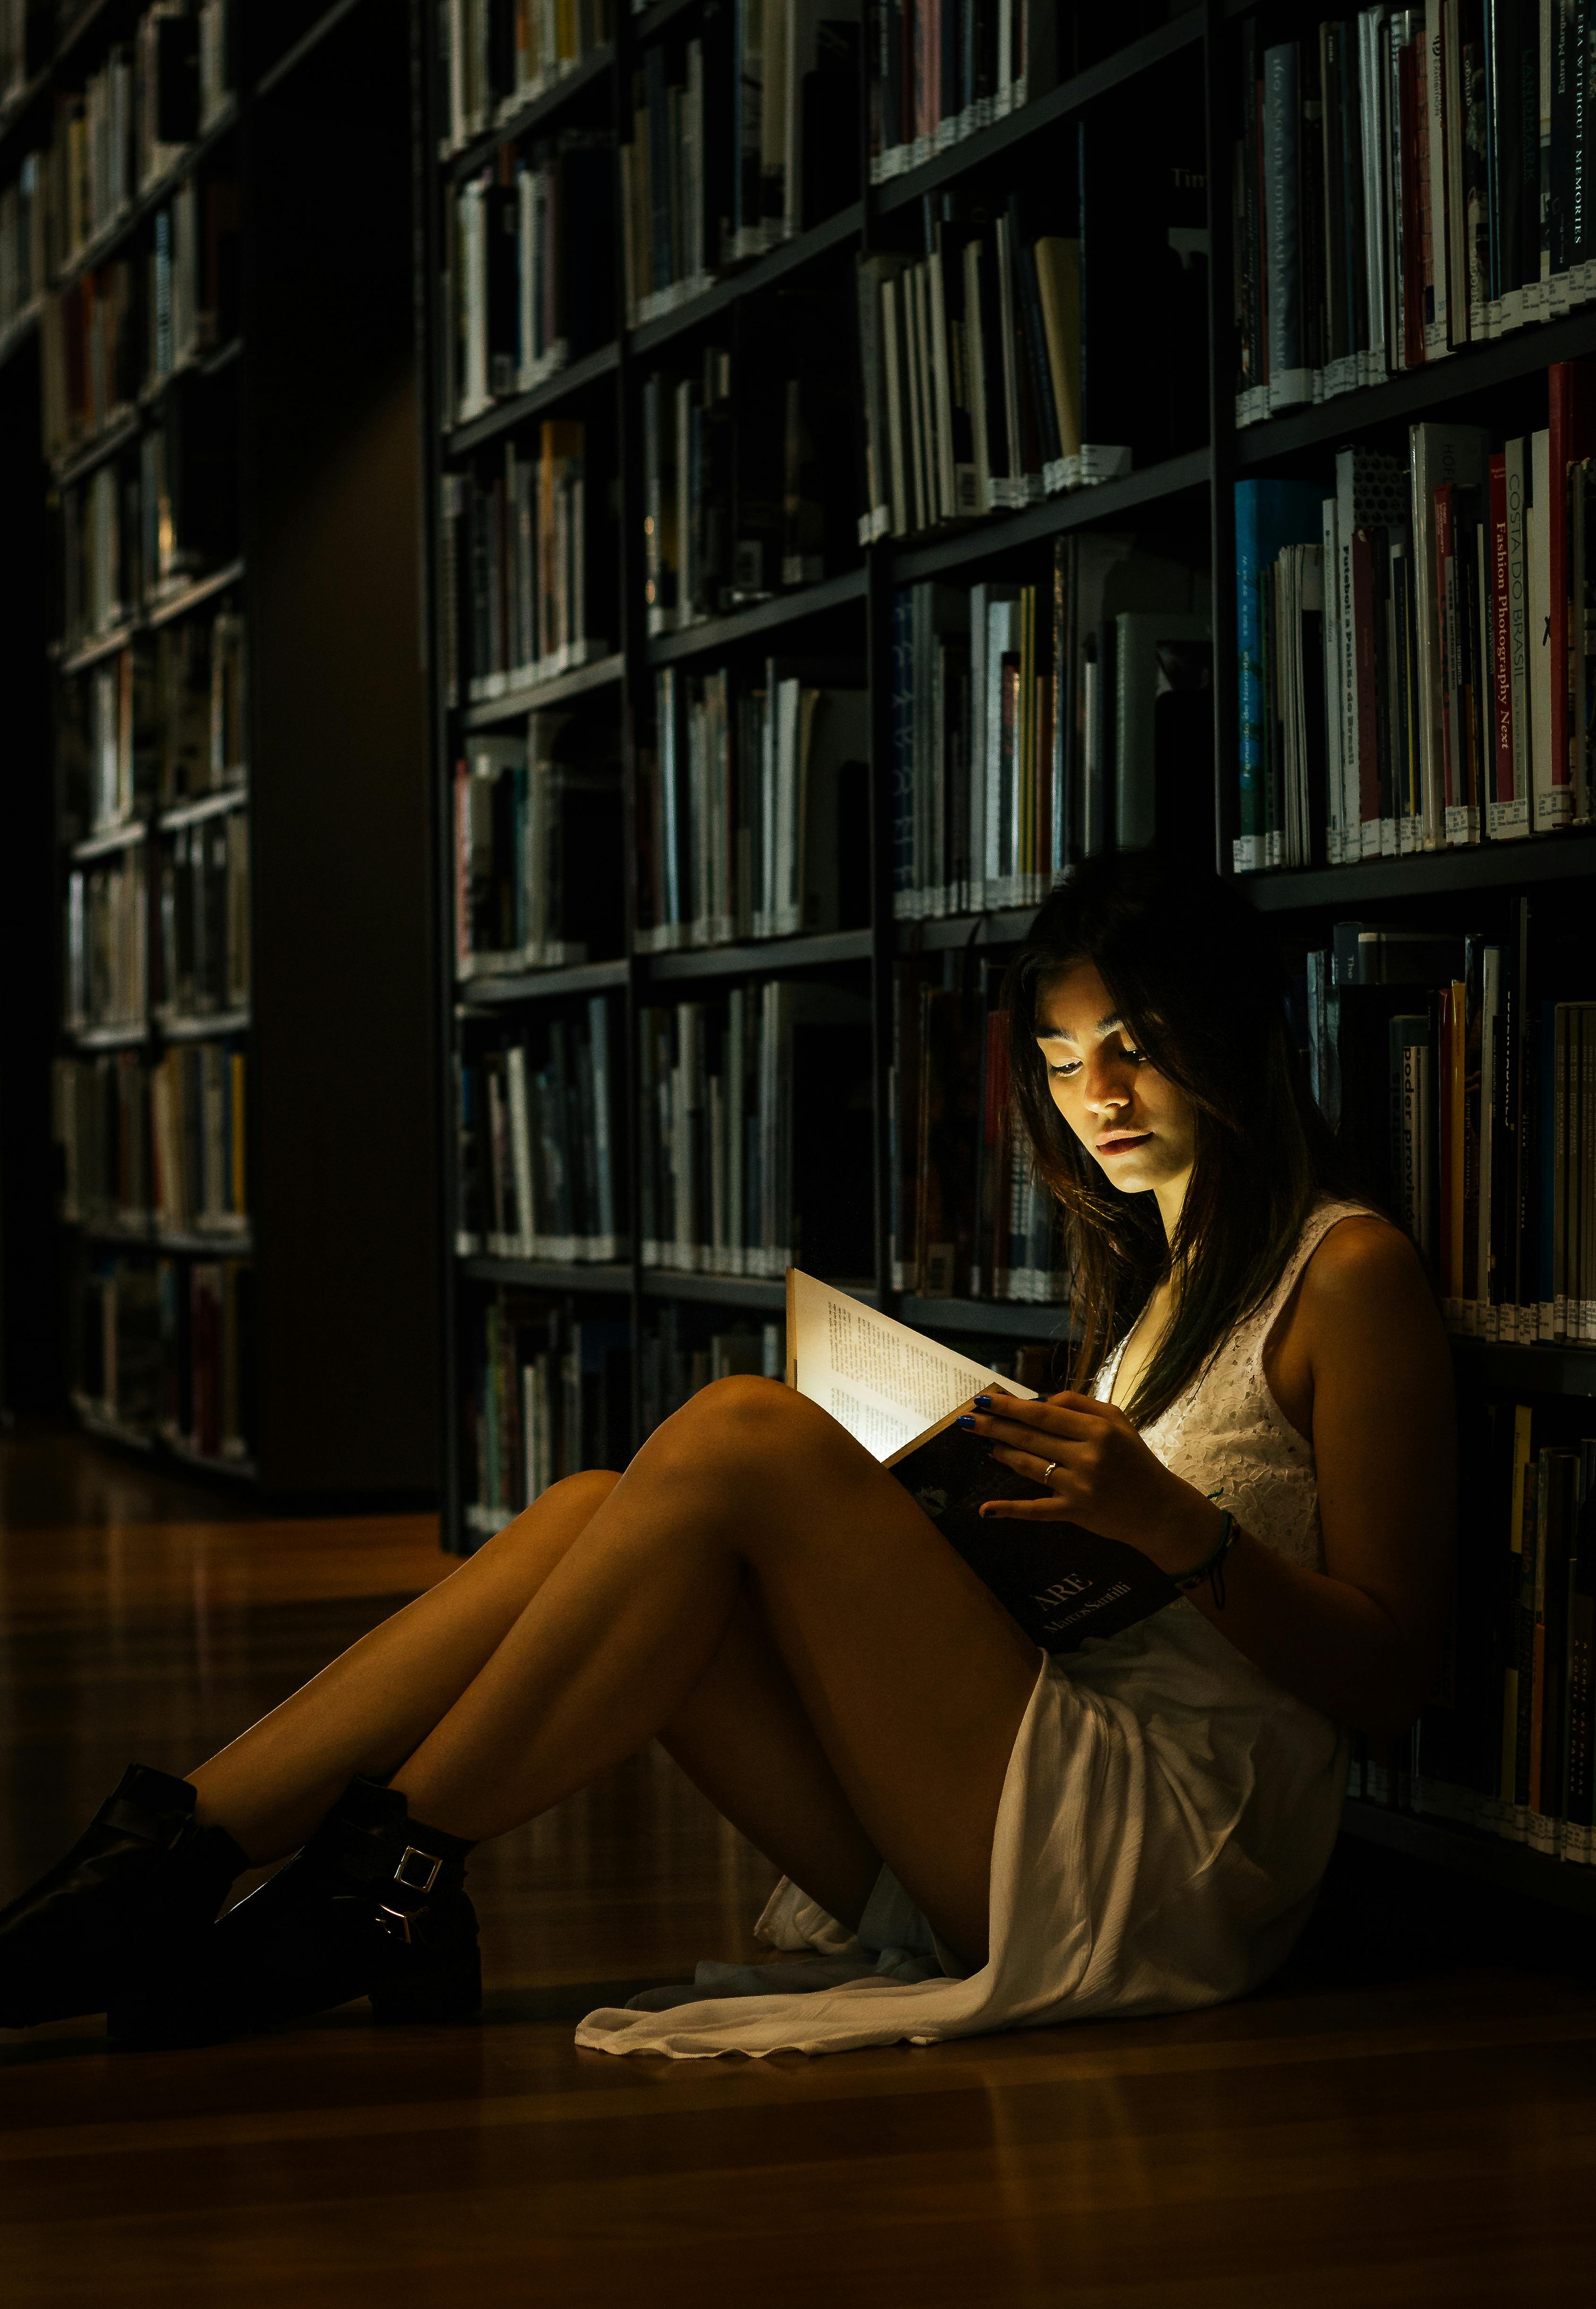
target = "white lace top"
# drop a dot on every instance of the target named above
(1227, 1435)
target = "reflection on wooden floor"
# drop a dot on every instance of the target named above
(1385, 2126)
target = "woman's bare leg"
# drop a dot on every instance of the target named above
(913, 1678)
(742, 1733)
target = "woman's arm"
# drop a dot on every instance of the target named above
(1362, 1639)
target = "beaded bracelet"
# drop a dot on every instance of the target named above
(1212, 1565)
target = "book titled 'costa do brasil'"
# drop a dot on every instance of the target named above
(899, 1394)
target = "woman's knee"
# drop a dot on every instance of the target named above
(745, 1424)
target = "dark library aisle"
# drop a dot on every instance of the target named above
(1387, 2123)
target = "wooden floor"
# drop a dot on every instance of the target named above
(1394, 2122)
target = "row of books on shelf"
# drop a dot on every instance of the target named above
(550, 1394)
(161, 722)
(161, 1146)
(515, 552)
(132, 121)
(201, 885)
(1462, 1092)
(741, 140)
(755, 1132)
(967, 1215)
(541, 1142)
(533, 268)
(165, 1348)
(1028, 732)
(1407, 181)
(746, 475)
(530, 815)
(1414, 648)
(24, 273)
(940, 73)
(1507, 1744)
(497, 56)
(753, 806)
(117, 332)
(143, 526)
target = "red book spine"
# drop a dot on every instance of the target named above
(1501, 646)
(1368, 718)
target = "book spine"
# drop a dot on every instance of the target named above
(1290, 381)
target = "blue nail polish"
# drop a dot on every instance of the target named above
(982, 1402)
(964, 1420)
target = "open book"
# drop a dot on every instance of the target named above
(899, 1394)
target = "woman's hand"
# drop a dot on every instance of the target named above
(1101, 1475)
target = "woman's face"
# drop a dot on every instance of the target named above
(1137, 1125)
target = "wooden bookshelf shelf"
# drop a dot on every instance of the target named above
(559, 689)
(115, 1430)
(1166, 484)
(1004, 929)
(651, 21)
(750, 1293)
(575, 377)
(204, 1026)
(728, 633)
(1548, 1369)
(16, 333)
(534, 114)
(203, 805)
(973, 154)
(304, 46)
(760, 272)
(1428, 390)
(541, 1274)
(103, 646)
(195, 596)
(109, 1038)
(760, 957)
(1468, 1852)
(997, 1318)
(485, 996)
(106, 444)
(203, 1242)
(1491, 866)
(107, 844)
(237, 1470)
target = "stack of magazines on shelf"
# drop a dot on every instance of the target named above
(1407, 180)
(101, 1127)
(532, 268)
(1417, 660)
(550, 1395)
(1463, 1091)
(540, 1138)
(1028, 733)
(498, 57)
(754, 807)
(530, 815)
(1507, 1744)
(515, 569)
(755, 1132)
(969, 1217)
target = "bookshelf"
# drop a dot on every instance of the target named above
(224, 711)
(1163, 81)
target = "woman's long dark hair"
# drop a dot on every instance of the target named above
(1195, 978)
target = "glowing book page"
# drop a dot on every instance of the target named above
(886, 1384)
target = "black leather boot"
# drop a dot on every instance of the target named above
(134, 1897)
(374, 1905)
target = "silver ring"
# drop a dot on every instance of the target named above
(1047, 1470)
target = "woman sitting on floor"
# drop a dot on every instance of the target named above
(977, 1836)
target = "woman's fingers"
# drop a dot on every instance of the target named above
(1025, 1511)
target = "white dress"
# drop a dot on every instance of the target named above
(1166, 1817)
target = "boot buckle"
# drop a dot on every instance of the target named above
(395, 1922)
(418, 1883)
